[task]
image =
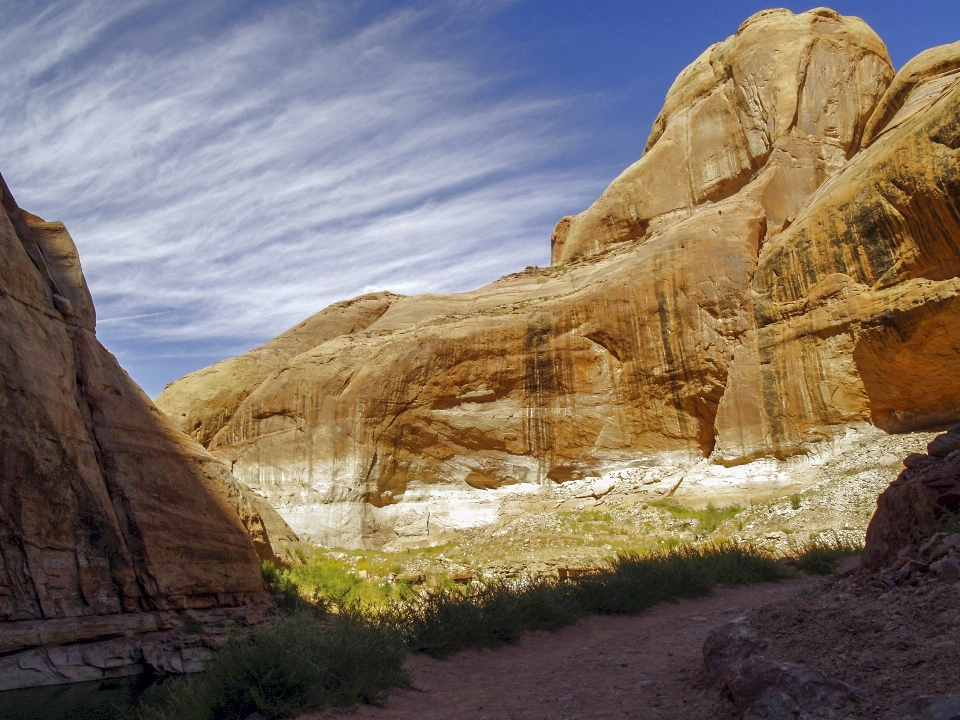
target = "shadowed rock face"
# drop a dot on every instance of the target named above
(924, 498)
(794, 282)
(105, 506)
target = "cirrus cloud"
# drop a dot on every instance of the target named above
(228, 172)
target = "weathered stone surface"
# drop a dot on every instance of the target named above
(35, 653)
(759, 291)
(942, 445)
(846, 566)
(783, 81)
(854, 304)
(920, 81)
(946, 569)
(273, 539)
(912, 509)
(106, 508)
(204, 401)
(513, 384)
(933, 707)
(762, 688)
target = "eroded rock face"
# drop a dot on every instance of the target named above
(922, 498)
(788, 96)
(803, 284)
(854, 304)
(445, 402)
(204, 401)
(106, 508)
(35, 653)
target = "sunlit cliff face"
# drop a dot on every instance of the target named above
(778, 268)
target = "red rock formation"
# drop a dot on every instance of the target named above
(854, 304)
(778, 267)
(782, 103)
(106, 508)
(924, 497)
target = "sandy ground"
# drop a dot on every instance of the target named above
(643, 666)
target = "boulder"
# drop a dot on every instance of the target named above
(932, 707)
(762, 688)
(913, 508)
(942, 445)
(949, 543)
(946, 569)
(847, 565)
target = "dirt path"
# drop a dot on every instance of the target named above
(644, 666)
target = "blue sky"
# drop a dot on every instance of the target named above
(228, 168)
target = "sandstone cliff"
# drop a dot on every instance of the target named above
(783, 102)
(206, 400)
(106, 508)
(780, 266)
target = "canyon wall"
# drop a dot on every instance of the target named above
(108, 513)
(779, 267)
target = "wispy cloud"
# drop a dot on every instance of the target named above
(127, 318)
(227, 175)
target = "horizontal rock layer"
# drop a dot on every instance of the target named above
(35, 653)
(807, 288)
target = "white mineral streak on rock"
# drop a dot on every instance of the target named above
(741, 302)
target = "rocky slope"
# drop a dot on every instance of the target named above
(109, 515)
(777, 271)
(858, 647)
(924, 498)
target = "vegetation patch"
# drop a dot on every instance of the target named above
(499, 613)
(707, 520)
(351, 646)
(585, 516)
(300, 663)
(319, 581)
(818, 556)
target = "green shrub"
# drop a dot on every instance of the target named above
(328, 577)
(500, 612)
(288, 595)
(307, 660)
(636, 582)
(299, 664)
(593, 515)
(818, 556)
(322, 581)
(497, 613)
(708, 519)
